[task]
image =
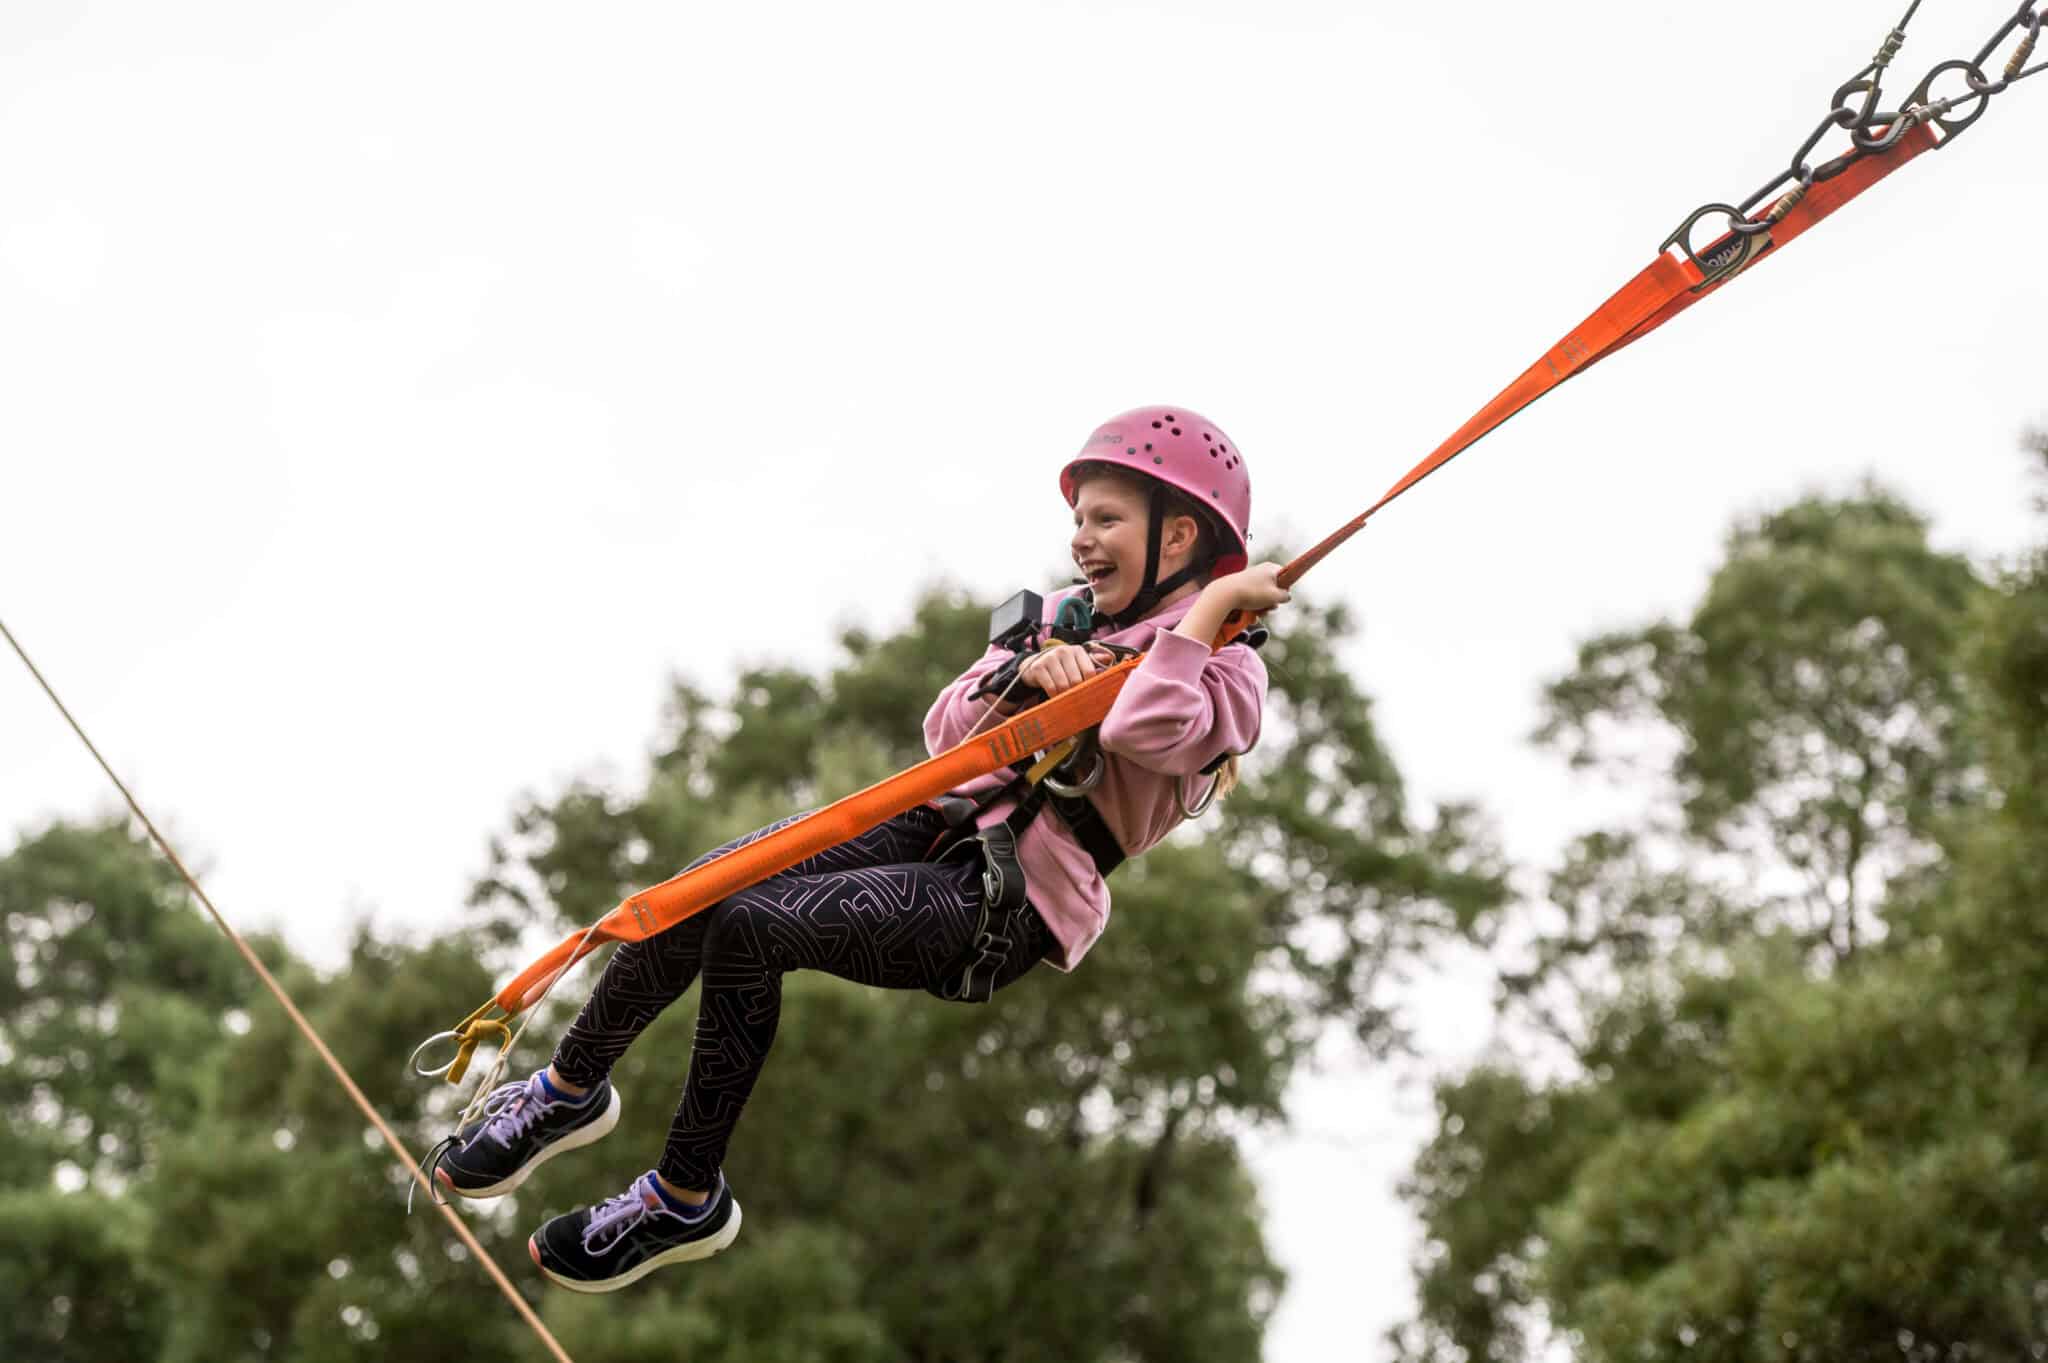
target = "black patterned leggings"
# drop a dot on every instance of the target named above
(867, 910)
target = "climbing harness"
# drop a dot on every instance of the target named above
(1683, 273)
(1061, 777)
(1058, 779)
(999, 928)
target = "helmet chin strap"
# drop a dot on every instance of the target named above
(1150, 590)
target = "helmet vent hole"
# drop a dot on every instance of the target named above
(1158, 458)
(1207, 436)
(1157, 424)
(1171, 417)
(1212, 454)
(1176, 430)
(1148, 445)
(1133, 449)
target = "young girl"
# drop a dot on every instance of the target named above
(1161, 504)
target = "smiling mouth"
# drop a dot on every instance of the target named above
(1099, 573)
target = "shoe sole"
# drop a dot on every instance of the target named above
(575, 1140)
(681, 1254)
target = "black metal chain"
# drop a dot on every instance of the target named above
(1741, 238)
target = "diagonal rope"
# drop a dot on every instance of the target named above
(291, 1009)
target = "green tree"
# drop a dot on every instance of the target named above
(1784, 1136)
(278, 1216)
(184, 1178)
(114, 979)
(114, 985)
(1053, 1176)
(1065, 1155)
(1810, 711)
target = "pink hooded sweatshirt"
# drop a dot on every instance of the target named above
(1181, 707)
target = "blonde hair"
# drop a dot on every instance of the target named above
(1227, 777)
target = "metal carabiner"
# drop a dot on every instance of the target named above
(1730, 254)
(1922, 107)
(1201, 806)
(1087, 780)
(1075, 620)
(472, 1030)
(1837, 117)
(414, 1059)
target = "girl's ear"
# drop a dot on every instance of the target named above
(1179, 535)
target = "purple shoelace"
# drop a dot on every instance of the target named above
(512, 1108)
(612, 1218)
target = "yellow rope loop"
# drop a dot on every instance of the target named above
(474, 1030)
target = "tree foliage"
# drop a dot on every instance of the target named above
(1811, 707)
(1052, 1176)
(1772, 1122)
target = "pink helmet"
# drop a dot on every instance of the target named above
(1184, 450)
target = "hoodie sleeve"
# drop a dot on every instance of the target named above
(1184, 706)
(953, 714)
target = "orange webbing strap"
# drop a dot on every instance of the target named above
(1665, 288)
(1822, 200)
(653, 910)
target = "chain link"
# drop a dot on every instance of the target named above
(1742, 235)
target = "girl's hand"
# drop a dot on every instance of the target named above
(1256, 588)
(1057, 667)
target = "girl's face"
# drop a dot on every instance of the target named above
(1109, 540)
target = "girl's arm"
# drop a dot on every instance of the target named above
(1256, 588)
(1184, 706)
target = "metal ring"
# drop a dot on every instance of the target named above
(1201, 806)
(1728, 254)
(414, 1059)
(1682, 236)
(1082, 784)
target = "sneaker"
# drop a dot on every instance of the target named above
(623, 1239)
(521, 1129)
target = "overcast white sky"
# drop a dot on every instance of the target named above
(392, 397)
